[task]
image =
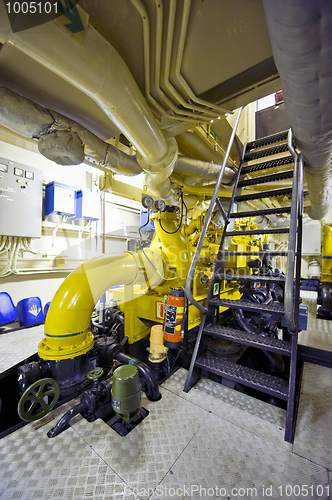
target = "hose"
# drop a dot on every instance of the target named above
(151, 387)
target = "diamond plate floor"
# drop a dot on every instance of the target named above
(212, 437)
(313, 438)
(319, 331)
(237, 465)
(11, 343)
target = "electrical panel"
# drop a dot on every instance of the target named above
(21, 191)
(86, 205)
(311, 239)
(59, 199)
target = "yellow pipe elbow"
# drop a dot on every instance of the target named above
(67, 325)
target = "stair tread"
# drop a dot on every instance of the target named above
(275, 230)
(244, 375)
(272, 253)
(268, 139)
(277, 162)
(264, 179)
(269, 151)
(273, 193)
(266, 211)
(250, 277)
(274, 308)
(246, 338)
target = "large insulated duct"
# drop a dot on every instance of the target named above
(61, 139)
(97, 69)
(66, 142)
(301, 39)
(67, 325)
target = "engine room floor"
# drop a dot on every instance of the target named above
(212, 442)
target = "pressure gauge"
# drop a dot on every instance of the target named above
(29, 175)
(3, 168)
(147, 201)
(18, 171)
(159, 205)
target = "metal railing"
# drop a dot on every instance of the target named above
(294, 245)
(213, 201)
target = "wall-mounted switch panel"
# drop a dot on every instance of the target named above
(21, 191)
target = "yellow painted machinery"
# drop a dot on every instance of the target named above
(74, 346)
(325, 288)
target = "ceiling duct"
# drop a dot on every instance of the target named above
(97, 69)
(301, 39)
(66, 142)
(60, 139)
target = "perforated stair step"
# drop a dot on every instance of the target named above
(250, 339)
(258, 231)
(254, 278)
(265, 179)
(267, 140)
(274, 308)
(263, 382)
(268, 253)
(273, 193)
(269, 151)
(264, 211)
(277, 162)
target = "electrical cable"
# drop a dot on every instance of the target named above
(178, 228)
(147, 222)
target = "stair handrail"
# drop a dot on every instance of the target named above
(194, 261)
(290, 308)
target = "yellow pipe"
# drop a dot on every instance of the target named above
(200, 190)
(173, 243)
(67, 332)
(327, 254)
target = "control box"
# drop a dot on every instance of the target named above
(21, 192)
(59, 199)
(86, 205)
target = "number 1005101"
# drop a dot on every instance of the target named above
(32, 7)
(303, 490)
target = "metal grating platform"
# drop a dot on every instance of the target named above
(269, 151)
(246, 338)
(250, 277)
(249, 306)
(243, 375)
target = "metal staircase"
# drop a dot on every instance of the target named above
(203, 362)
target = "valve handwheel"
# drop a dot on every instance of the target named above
(95, 374)
(38, 399)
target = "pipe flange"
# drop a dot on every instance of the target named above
(65, 347)
(166, 162)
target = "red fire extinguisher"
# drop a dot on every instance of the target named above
(173, 323)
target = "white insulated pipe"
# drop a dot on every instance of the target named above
(301, 40)
(97, 69)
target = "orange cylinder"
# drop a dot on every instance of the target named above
(173, 323)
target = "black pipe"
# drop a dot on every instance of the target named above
(240, 319)
(64, 420)
(275, 360)
(151, 386)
